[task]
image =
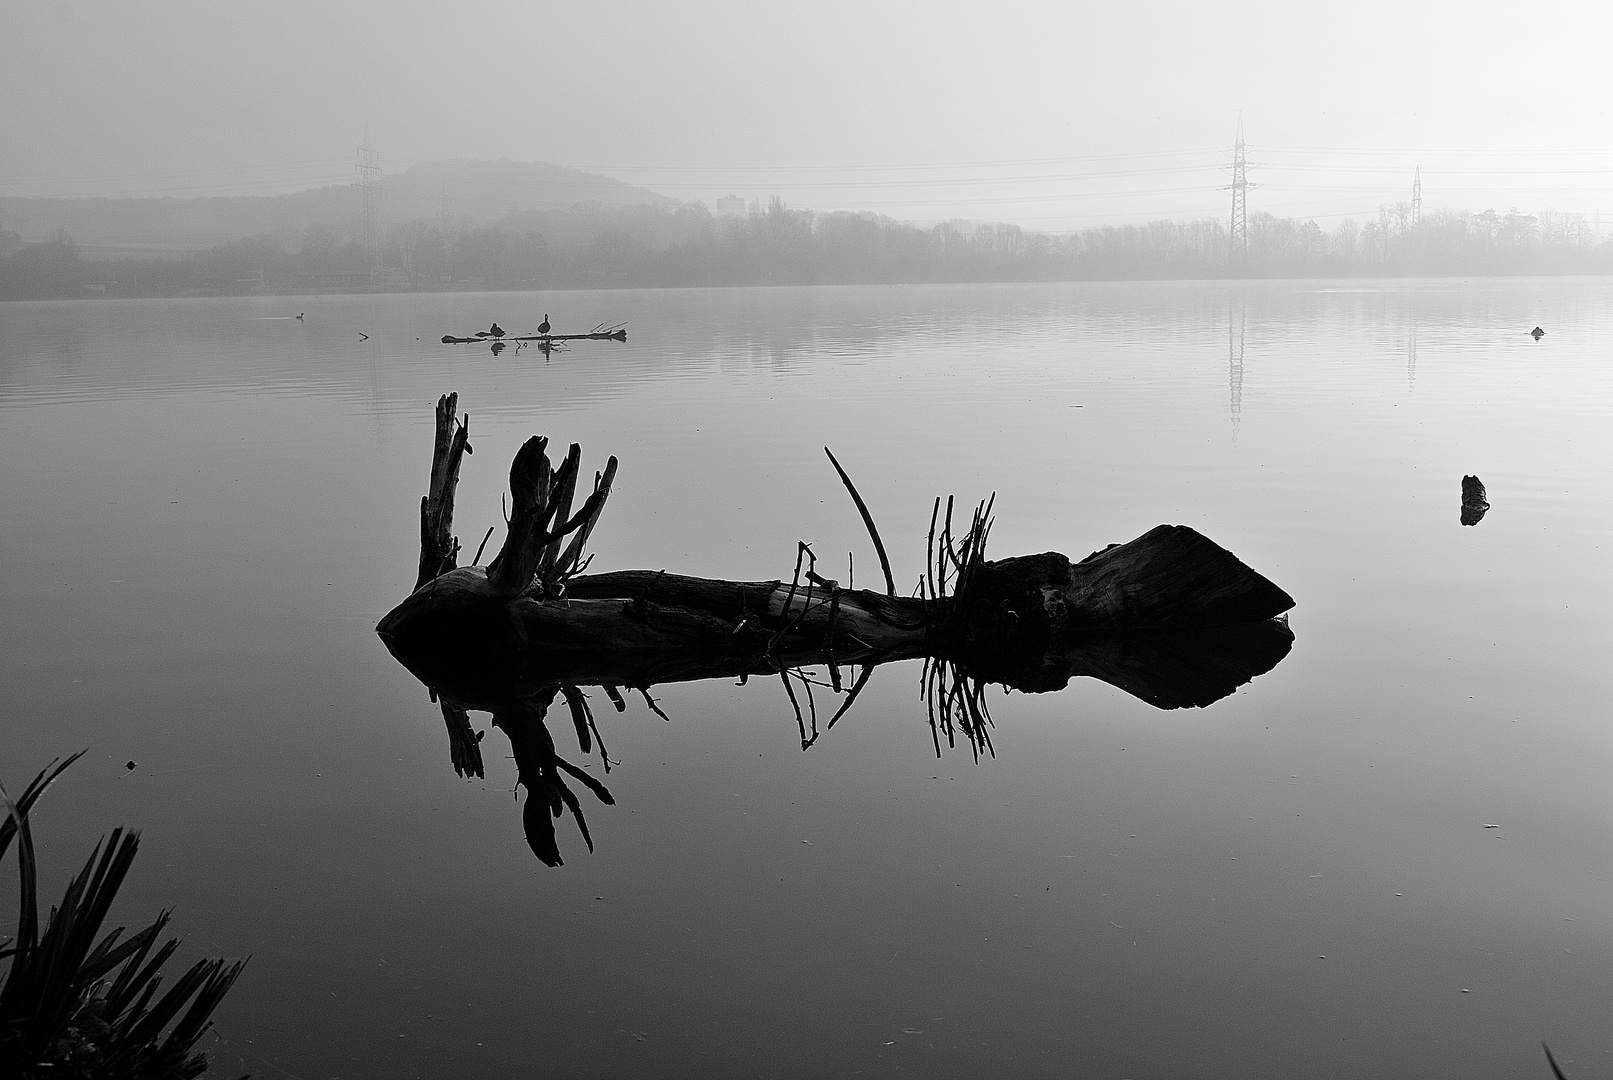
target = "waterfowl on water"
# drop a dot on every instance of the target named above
(1537, 333)
(543, 327)
(496, 330)
(300, 315)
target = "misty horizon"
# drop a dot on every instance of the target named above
(1049, 117)
(1309, 183)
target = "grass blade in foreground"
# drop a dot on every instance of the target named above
(58, 1014)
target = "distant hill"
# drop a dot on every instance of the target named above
(472, 192)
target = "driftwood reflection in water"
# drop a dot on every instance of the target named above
(1169, 669)
(1170, 617)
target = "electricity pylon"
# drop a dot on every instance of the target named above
(1239, 230)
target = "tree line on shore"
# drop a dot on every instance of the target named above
(591, 246)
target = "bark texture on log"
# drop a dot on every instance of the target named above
(439, 550)
(532, 594)
(1170, 576)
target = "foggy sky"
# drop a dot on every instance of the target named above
(1052, 114)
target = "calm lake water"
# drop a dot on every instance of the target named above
(206, 505)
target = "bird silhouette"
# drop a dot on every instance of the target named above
(1537, 333)
(543, 327)
(496, 330)
(300, 315)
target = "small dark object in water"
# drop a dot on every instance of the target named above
(300, 315)
(543, 327)
(1537, 333)
(495, 330)
(1474, 502)
(498, 347)
(128, 765)
(362, 336)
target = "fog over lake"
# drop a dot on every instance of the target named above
(1388, 855)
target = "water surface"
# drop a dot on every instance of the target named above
(208, 505)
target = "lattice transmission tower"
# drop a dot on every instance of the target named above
(1417, 196)
(1239, 230)
(369, 185)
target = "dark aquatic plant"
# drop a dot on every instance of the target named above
(77, 1003)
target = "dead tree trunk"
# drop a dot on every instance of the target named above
(532, 596)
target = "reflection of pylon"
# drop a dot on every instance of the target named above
(1411, 354)
(369, 184)
(1235, 361)
(1239, 231)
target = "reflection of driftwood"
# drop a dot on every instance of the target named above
(1170, 669)
(1474, 500)
(1169, 617)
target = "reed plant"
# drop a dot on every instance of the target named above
(76, 1002)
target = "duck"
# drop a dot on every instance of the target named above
(495, 330)
(300, 314)
(1537, 333)
(543, 327)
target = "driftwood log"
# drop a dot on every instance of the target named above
(533, 598)
(618, 334)
(1170, 617)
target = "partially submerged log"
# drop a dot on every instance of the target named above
(598, 333)
(1170, 617)
(1169, 578)
(532, 609)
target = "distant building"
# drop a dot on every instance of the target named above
(728, 204)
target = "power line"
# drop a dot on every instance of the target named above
(1428, 152)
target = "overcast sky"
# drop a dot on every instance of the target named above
(1052, 114)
